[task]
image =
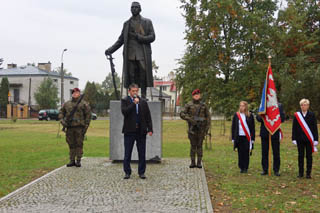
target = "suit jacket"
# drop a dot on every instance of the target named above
(128, 109)
(297, 132)
(235, 127)
(264, 133)
(145, 40)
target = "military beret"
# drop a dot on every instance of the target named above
(196, 91)
(75, 90)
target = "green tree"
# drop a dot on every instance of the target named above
(91, 93)
(297, 49)
(4, 90)
(65, 71)
(47, 94)
(107, 84)
(103, 100)
(227, 48)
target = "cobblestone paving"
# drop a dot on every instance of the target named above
(98, 186)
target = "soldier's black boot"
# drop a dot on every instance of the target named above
(199, 162)
(78, 163)
(71, 163)
(193, 163)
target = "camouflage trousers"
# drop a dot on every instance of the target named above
(74, 137)
(196, 141)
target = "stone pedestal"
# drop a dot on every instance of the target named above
(154, 142)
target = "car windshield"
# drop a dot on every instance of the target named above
(42, 111)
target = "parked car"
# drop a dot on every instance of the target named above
(48, 114)
(94, 116)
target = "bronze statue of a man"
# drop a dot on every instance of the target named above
(136, 36)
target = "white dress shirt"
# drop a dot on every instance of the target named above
(241, 131)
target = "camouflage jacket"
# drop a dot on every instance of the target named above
(189, 113)
(81, 117)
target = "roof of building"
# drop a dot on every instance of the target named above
(158, 83)
(30, 70)
(156, 93)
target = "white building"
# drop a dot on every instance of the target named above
(23, 78)
(168, 89)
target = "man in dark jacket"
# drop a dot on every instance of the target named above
(275, 143)
(136, 36)
(136, 125)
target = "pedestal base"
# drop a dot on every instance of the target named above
(154, 142)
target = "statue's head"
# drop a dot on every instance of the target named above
(135, 8)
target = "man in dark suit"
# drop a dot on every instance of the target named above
(275, 143)
(136, 125)
(136, 36)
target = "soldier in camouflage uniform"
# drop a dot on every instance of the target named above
(198, 117)
(76, 126)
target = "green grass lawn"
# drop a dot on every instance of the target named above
(29, 149)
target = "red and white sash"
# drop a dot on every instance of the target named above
(305, 128)
(244, 127)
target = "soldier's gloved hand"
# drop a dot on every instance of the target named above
(315, 143)
(63, 123)
(294, 142)
(315, 148)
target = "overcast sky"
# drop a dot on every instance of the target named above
(38, 31)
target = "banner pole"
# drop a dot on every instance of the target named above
(269, 163)
(269, 156)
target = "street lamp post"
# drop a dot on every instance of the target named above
(62, 78)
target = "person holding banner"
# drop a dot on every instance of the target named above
(243, 135)
(305, 136)
(275, 143)
(269, 112)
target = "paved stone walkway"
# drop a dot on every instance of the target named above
(98, 186)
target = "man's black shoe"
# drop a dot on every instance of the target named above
(199, 166)
(78, 163)
(300, 176)
(127, 176)
(71, 163)
(192, 166)
(277, 174)
(242, 171)
(264, 173)
(142, 176)
(308, 176)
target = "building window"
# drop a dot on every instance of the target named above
(16, 95)
(164, 88)
(71, 82)
(55, 80)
